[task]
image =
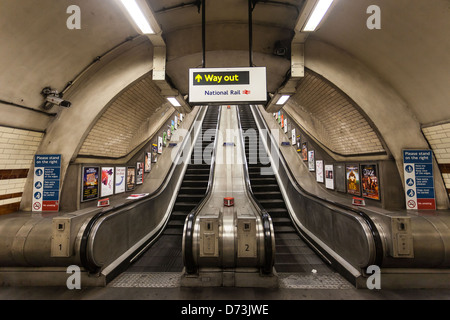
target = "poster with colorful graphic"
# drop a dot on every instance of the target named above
(353, 179)
(169, 133)
(164, 137)
(175, 123)
(329, 176)
(148, 161)
(139, 172)
(305, 151)
(369, 181)
(279, 117)
(90, 183)
(107, 185)
(311, 164)
(160, 145)
(154, 153)
(282, 121)
(131, 178)
(299, 145)
(120, 179)
(319, 171)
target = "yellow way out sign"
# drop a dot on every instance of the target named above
(227, 85)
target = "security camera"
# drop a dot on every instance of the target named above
(58, 101)
(53, 97)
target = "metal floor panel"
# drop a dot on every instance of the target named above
(313, 281)
(147, 280)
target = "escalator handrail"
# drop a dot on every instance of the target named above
(269, 253)
(371, 225)
(87, 233)
(188, 232)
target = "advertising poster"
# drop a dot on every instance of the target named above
(369, 181)
(329, 176)
(169, 134)
(285, 126)
(90, 185)
(181, 117)
(299, 145)
(131, 178)
(282, 121)
(148, 162)
(353, 180)
(419, 180)
(293, 137)
(107, 186)
(319, 171)
(164, 137)
(279, 117)
(172, 127)
(305, 151)
(120, 179)
(311, 164)
(47, 172)
(139, 172)
(175, 123)
(160, 145)
(154, 153)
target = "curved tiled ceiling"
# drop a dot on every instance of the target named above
(128, 121)
(330, 116)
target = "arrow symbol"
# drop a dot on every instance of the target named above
(198, 78)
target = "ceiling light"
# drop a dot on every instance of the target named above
(174, 102)
(137, 15)
(283, 100)
(318, 13)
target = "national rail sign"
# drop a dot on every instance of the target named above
(227, 85)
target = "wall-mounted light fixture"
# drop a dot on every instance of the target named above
(174, 101)
(138, 16)
(282, 100)
(317, 15)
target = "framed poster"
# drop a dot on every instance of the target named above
(175, 123)
(169, 133)
(311, 164)
(329, 176)
(120, 179)
(279, 117)
(369, 181)
(181, 117)
(319, 171)
(164, 137)
(89, 183)
(282, 121)
(285, 126)
(293, 137)
(305, 151)
(131, 178)
(154, 153)
(147, 162)
(299, 145)
(340, 179)
(353, 179)
(139, 172)
(107, 185)
(160, 145)
(172, 126)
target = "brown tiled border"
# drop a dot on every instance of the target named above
(10, 196)
(9, 208)
(444, 167)
(8, 174)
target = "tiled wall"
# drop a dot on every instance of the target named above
(122, 126)
(17, 149)
(332, 118)
(438, 137)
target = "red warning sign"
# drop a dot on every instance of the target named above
(37, 206)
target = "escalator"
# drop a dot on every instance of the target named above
(165, 255)
(292, 254)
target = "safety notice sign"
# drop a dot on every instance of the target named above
(419, 181)
(227, 85)
(47, 173)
